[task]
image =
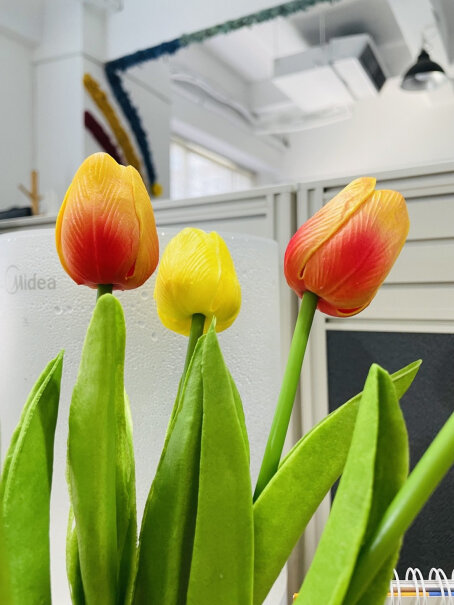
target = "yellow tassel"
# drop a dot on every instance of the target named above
(101, 100)
(156, 190)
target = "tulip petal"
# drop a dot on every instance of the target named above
(148, 249)
(227, 297)
(188, 274)
(328, 309)
(348, 270)
(322, 226)
(196, 275)
(97, 230)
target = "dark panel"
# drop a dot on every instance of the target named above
(426, 406)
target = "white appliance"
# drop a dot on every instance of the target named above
(43, 311)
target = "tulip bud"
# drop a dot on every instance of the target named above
(345, 251)
(196, 275)
(106, 232)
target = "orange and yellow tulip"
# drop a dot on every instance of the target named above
(345, 251)
(196, 275)
(106, 232)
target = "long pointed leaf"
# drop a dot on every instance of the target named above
(25, 491)
(168, 526)
(92, 451)
(240, 414)
(126, 508)
(222, 559)
(333, 563)
(126, 517)
(304, 478)
(5, 594)
(376, 466)
(391, 470)
(73, 563)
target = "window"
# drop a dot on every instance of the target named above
(197, 171)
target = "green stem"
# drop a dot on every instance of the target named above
(104, 289)
(427, 474)
(281, 420)
(197, 324)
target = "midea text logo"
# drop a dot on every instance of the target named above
(16, 281)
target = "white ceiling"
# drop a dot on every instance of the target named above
(22, 19)
(399, 28)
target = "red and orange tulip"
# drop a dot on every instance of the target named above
(345, 251)
(106, 232)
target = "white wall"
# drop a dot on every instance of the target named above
(58, 126)
(44, 53)
(227, 137)
(16, 160)
(197, 117)
(23, 19)
(58, 119)
(149, 89)
(74, 42)
(398, 129)
(62, 29)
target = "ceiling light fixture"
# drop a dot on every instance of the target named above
(425, 74)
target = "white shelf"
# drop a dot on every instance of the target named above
(27, 222)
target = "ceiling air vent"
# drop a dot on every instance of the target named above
(345, 70)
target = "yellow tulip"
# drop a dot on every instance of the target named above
(196, 275)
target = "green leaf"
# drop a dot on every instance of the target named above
(371, 476)
(25, 488)
(5, 594)
(126, 518)
(222, 560)
(125, 500)
(240, 415)
(202, 482)
(408, 502)
(167, 534)
(391, 470)
(94, 451)
(304, 478)
(73, 564)
(331, 568)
